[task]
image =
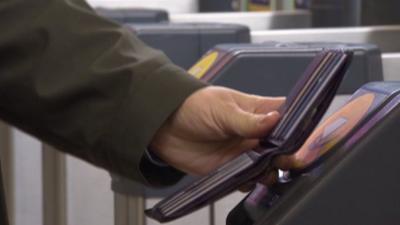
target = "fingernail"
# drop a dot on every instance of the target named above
(273, 114)
(270, 117)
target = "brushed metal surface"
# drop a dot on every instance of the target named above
(391, 66)
(27, 179)
(90, 199)
(54, 197)
(254, 20)
(386, 37)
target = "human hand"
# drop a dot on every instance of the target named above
(213, 126)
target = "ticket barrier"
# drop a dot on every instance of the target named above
(238, 66)
(254, 20)
(347, 172)
(245, 5)
(185, 43)
(134, 15)
(337, 13)
(234, 66)
(281, 81)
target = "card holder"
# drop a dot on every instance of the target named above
(304, 107)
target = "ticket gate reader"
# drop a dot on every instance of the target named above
(358, 178)
(238, 66)
(185, 43)
(254, 61)
(134, 15)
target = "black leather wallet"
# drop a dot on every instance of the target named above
(304, 108)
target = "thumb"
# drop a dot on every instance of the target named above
(250, 125)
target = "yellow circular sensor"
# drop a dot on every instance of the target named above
(201, 68)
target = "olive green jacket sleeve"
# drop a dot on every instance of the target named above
(84, 84)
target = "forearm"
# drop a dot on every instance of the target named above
(84, 84)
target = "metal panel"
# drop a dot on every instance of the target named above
(6, 158)
(254, 20)
(3, 207)
(129, 210)
(27, 179)
(75, 192)
(54, 198)
(225, 205)
(90, 199)
(391, 66)
(21, 163)
(386, 37)
(185, 43)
